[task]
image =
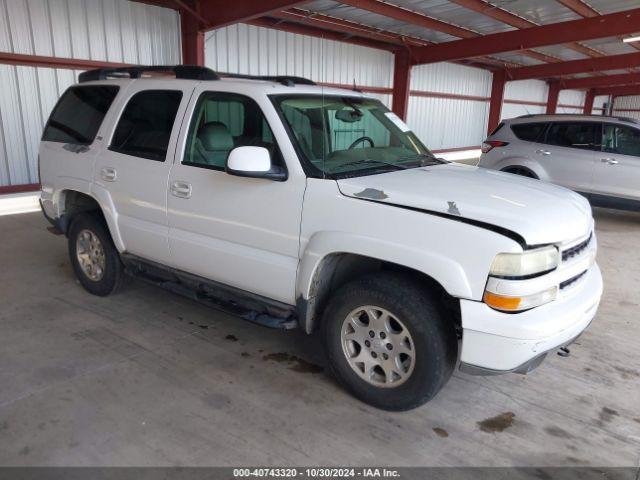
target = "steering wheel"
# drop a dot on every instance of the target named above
(362, 139)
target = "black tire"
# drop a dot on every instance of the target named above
(522, 171)
(433, 335)
(113, 272)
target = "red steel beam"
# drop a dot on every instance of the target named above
(613, 24)
(415, 18)
(190, 30)
(345, 26)
(301, 29)
(604, 81)
(497, 96)
(221, 13)
(552, 98)
(401, 83)
(620, 91)
(588, 102)
(613, 62)
(504, 16)
(55, 62)
(580, 8)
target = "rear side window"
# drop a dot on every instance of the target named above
(621, 139)
(574, 135)
(529, 132)
(145, 126)
(78, 114)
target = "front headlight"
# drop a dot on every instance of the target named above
(525, 264)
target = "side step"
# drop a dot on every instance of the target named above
(245, 305)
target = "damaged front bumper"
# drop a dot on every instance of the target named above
(494, 342)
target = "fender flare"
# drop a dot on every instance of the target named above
(323, 245)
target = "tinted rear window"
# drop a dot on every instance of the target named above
(78, 114)
(529, 132)
(145, 126)
(574, 135)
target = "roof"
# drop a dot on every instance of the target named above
(568, 117)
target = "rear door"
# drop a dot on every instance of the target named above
(134, 170)
(570, 153)
(618, 170)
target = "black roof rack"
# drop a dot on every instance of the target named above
(189, 72)
(622, 119)
(286, 80)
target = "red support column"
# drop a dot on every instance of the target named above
(552, 99)
(401, 83)
(192, 37)
(495, 102)
(588, 102)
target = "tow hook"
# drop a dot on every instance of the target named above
(564, 352)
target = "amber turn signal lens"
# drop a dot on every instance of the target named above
(502, 303)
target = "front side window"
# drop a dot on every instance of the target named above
(145, 126)
(621, 139)
(339, 136)
(78, 114)
(584, 136)
(529, 132)
(223, 121)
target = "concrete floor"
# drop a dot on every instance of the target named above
(149, 378)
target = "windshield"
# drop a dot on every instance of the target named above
(341, 136)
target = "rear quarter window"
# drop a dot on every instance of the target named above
(78, 114)
(529, 132)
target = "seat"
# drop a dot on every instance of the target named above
(213, 144)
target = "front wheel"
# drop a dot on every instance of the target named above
(388, 343)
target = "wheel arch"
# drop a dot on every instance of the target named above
(73, 202)
(517, 162)
(323, 271)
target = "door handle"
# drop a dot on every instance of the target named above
(543, 152)
(181, 189)
(108, 174)
(609, 161)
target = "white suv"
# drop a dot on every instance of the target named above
(596, 156)
(295, 205)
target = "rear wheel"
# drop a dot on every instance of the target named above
(522, 171)
(388, 343)
(93, 255)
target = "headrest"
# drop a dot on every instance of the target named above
(215, 136)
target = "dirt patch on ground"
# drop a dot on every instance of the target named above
(441, 432)
(497, 424)
(296, 364)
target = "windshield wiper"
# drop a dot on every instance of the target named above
(370, 160)
(426, 159)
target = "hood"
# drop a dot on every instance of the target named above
(539, 212)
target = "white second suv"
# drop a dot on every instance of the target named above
(294, 205)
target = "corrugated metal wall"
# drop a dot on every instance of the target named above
(255, 50)
(444, 123)
(110, 30)
(627, 106)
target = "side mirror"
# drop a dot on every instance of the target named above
(253, 162)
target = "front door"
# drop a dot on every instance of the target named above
(243, 232)
(570, 153)
(618, 169)
(135, 168)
